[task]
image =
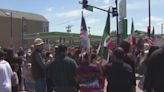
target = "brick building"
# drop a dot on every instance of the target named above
(13, 24)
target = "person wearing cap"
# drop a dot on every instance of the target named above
(39, 66)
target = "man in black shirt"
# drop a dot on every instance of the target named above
(62, 71)
(154, 76)
(129, 59)
(119, 74)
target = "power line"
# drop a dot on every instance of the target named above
(65, 22)
(75, 19)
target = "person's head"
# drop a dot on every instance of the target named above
(95, 58)
(71, 51)
(125, 46)
(21, 51)
(118, 54)
(62, 48)
(2, 54)
(152, 49)
(15, 67)
(9, 54)
(38, 42)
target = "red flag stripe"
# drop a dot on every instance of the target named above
(150, 40)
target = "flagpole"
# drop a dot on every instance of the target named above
(153, 33)
(83, 25)
(149, 4)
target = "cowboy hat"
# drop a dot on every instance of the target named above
(38, 41)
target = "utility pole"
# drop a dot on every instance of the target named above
(11, 30)
(162, 29)
(22, 32)
(89, 30)
(23, 29)
(118, 35)
(68, 28)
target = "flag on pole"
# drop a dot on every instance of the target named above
(106, 42)
(150, 39)
(153, 33)
(84, 38)
(133, 37)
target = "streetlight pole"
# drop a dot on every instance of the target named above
(23, 24)
(162, 29)
(69, 30)
(118, 39)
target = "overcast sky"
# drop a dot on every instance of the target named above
(61, 13)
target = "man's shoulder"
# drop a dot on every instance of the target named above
(3, 62)
(34, 53)
(110, 64)
(71, 62)
(127, 66)
(65, 58)
(158, 52)
(68, 59)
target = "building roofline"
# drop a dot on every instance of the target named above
(20, 14)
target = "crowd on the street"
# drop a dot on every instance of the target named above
(66, 69)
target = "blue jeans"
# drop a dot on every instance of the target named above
(40, 85)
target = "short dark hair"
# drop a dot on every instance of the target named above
(118, 53)
(93, 56)
(125, 46)
(2, 54)
(62, 48)
(152, 49)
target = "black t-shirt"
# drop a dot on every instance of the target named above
(131, 62)
(120, 77)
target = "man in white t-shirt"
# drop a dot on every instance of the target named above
(6, 75)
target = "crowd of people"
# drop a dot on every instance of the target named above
(66, 69)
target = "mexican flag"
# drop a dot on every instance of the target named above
(106, 42)
(133, 37)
